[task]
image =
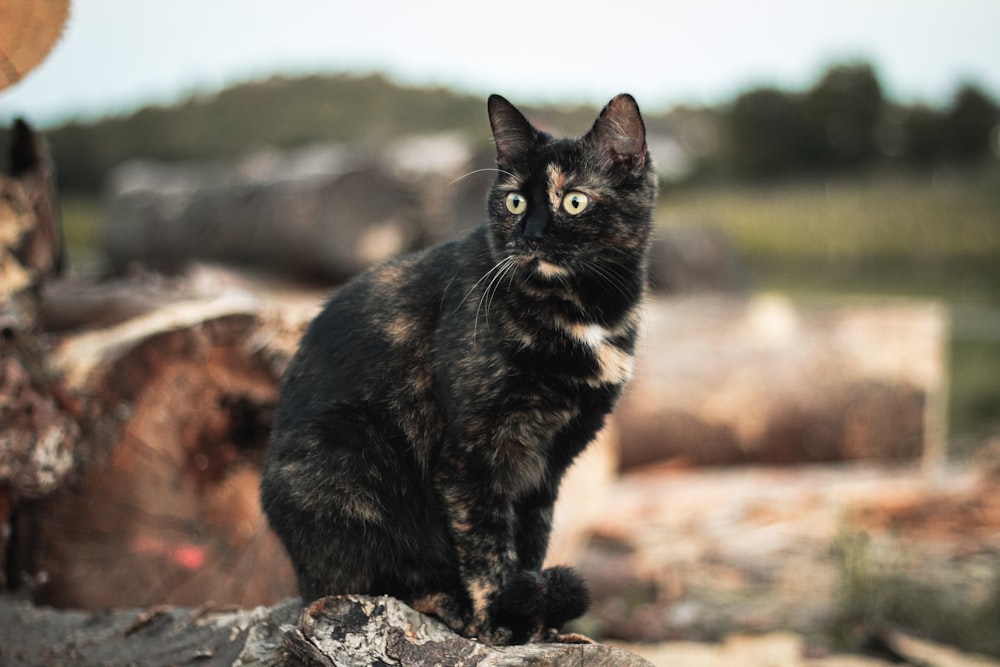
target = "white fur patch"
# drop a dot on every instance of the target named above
(615, 365)
(591, 335)
(550, 270)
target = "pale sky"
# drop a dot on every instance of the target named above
(118, 55)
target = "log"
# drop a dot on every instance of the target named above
(346, 630)
(28, 31)
(761, 380)
(320, 213)
(178, 412)
(31, 243)
(38, 427)
(327, 212)
(696, 259)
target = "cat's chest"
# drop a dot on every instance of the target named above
(577, 351)
(610, 350)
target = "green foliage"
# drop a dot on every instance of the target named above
(280, 112)
(844, 123)
(839, 118)
(881, 587)
(970, 122)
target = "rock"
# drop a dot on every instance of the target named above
(342, 630)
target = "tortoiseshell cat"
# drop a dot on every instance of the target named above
(435, 403)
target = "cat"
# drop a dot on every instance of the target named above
(426, 420)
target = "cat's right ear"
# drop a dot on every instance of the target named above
(512, 133)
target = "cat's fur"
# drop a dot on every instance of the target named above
(435, 403)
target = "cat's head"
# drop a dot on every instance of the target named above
(571, 209)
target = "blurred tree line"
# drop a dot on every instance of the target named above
(844, 122)
(279, 112)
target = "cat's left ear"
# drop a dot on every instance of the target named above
(619, 134)
(512, 132)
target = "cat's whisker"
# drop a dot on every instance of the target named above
(491, 288)
(497, 270)
(479, 282)
(479, 171)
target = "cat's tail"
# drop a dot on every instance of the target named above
(541, 600)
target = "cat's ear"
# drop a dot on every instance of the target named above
(619, 135)
(512, 133)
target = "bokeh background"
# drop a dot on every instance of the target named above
(831, 155)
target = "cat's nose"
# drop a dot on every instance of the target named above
(533, 229)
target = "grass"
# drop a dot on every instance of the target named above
(920, 235)
(884, 586)
(927, 235)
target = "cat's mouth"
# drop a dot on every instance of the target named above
(548, 269)
(536, 262)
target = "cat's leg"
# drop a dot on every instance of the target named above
(445, 606)
(534, 526)
(481, 523)
(552, 596)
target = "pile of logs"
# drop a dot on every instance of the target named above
(135, 411)
(325, 212)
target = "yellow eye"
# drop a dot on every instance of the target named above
(575, 203)
(516, 203)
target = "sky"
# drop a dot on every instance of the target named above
(118, 55)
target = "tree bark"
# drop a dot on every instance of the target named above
(344, 630)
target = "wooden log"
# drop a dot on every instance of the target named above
(28, 31)
(730, 381)
(38, 428)
(345, 630)
(323, 225)
(695, 259)
(758, 549)
(321, 213)
(179, 403)
(31, 243)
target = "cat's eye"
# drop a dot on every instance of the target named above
(516, 203)
(575, 203)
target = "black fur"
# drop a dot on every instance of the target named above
(435, 403)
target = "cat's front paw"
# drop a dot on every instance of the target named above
(494, 635)
(523, 605)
